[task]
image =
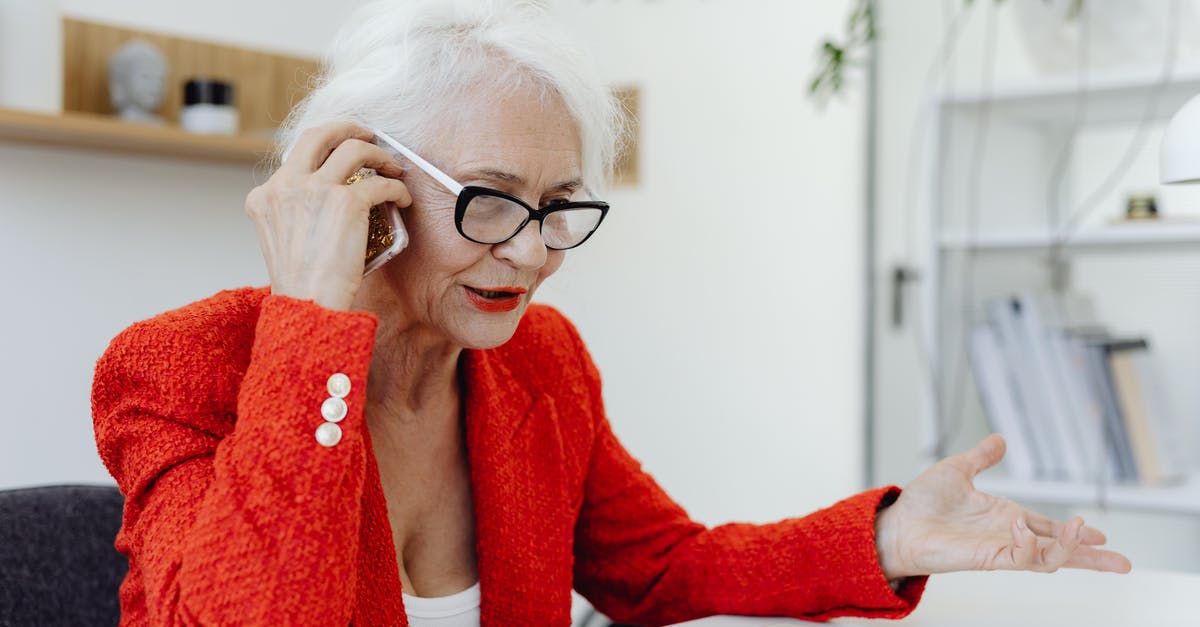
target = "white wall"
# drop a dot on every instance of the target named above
(721, 300)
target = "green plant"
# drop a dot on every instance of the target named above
(836, 56)
(852, 50)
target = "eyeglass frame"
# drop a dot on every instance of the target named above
(466, 193)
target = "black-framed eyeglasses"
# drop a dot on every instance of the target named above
(488, 216)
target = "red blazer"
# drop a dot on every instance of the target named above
(234, 513)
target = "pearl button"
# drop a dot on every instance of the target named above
(329, 434)
(338, 385)
(333, 409)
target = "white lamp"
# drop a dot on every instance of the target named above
(1179, 155)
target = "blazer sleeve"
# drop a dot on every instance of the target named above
(247, 520)
(641, 559)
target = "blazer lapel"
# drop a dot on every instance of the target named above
(379, 587)
(523, 530)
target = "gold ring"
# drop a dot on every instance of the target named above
(360, 175)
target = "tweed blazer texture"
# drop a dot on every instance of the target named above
(236, 515)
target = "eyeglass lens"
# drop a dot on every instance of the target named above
(492, 219)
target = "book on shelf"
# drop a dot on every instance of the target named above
(1026, 394)
(1045, 417)
(1065, 416)
(1148, 427)
(1088, 408)
(1002, 403)
(1073, 403)
(1118, 454)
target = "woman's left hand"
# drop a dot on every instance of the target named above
(941, 523)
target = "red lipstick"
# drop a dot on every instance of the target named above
(495, 299)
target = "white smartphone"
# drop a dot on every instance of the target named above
(386, 236)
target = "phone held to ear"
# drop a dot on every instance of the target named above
(386, 236)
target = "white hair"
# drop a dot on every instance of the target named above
(399, 65)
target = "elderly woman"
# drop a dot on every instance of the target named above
(424, 446)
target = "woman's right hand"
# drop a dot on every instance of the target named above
(311, 225)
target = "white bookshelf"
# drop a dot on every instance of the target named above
(1149, 233)
(1027, 124)
(1181, 498)
(1112, 96)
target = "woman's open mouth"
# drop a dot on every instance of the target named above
(495, 299)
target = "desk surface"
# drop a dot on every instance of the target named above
(1068, 598)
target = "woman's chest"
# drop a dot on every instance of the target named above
(505, 519)
(432, 522)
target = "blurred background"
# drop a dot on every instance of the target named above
(797, 294)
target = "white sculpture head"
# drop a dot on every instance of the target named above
(137, 74)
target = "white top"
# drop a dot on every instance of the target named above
(457, 610)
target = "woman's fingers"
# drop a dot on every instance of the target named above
(1030, 552)
(377, 190)
(1060, 549)
(1049, 528)
(1024, 548)
(1099, 559)
(355, 154)
(312, 225)
(316, 144)
(984, 455)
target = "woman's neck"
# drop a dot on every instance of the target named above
(413, 376)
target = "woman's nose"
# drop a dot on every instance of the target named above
(526, 249)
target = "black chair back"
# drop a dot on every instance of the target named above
(57, 561)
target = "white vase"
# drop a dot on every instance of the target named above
(31, 55)
(1120, 33)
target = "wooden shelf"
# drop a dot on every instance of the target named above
(1183, 498)
(97, 132)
